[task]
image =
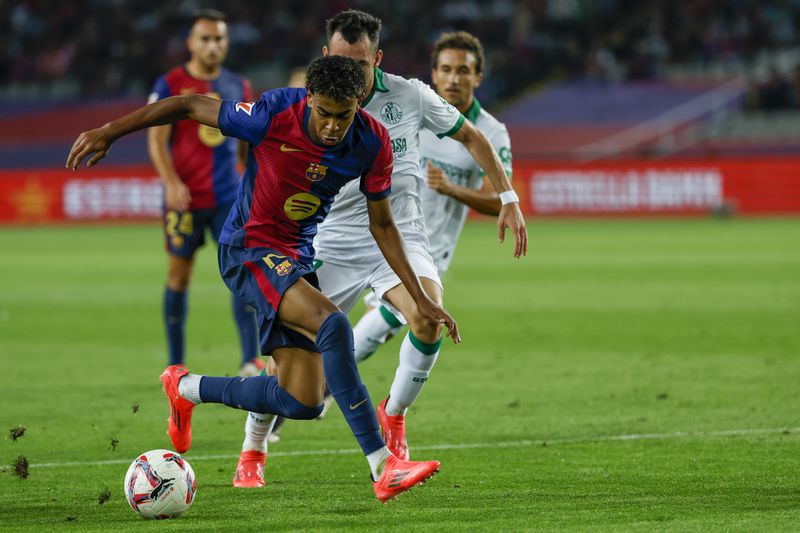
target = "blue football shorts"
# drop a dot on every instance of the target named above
(185, 231)
(261, 276)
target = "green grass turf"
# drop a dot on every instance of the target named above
(607, 328)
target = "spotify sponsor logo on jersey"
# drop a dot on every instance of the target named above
(209, 136)
(301, 205)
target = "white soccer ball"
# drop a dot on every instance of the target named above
(160, 484)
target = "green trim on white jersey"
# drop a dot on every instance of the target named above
(377, 85)
(445, 216)
(474, 111)
(454, 129)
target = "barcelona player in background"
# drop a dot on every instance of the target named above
(198, 166)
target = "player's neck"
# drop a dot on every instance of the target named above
(466, 106)
(370, 89)
(197, 70)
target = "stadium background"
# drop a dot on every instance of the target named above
(614, 106)
(637, 371)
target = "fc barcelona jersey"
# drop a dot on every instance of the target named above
(290, 181)
(204, 159)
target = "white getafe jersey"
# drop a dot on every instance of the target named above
(445, 216)
(404, 107)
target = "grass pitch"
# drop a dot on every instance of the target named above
(626, 375)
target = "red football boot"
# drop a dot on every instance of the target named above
(180, 409)
(250, 470)
(399, 476)
(393, 429)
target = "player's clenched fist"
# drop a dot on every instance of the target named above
(96, 141)
(437, 180)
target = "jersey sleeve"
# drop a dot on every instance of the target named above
(160, 90)
(501, 143)
(376, 183)
(437, 115)
(248, 121)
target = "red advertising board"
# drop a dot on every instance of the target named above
(643, 188)
(102, 193)
(615, 188)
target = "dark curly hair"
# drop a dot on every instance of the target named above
(336, 77)
(459, 40)
(352, 24)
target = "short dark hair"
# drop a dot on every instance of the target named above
(337, 77)
(207, 14)
(352, 24)
(459, 40)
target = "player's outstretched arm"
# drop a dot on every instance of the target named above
(481, 200)
(203, 109)
(176, 194)
(510, 214)
(386, 234)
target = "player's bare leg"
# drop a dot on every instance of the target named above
(418, 354)
(179, 273)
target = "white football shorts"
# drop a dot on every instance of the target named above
(343, 284)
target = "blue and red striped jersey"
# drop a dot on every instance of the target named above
(290, 181)
(204, 159)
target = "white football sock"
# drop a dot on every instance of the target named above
(189, 387)
(256, 431)
(377, 462)
(416, 361)
(371, 331)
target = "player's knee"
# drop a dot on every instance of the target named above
(322, 314)
(337, 320)
(425, 329)
(298, 411)
(178, 282)
(334, 329)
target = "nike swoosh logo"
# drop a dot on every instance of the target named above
(285, 148)
(353, 407)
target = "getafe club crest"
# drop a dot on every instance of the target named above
(391, 113)
(316, 171)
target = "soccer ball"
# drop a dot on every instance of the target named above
(160, 484)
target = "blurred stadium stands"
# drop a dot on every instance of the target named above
(577, 82)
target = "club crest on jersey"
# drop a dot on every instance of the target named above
(301, 205)
(247, 107)
(279, 263)
(284, 268)
(316, 171)
(391, 113)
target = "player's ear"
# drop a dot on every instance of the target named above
(378, 57)
(325, 51)
(478, 80)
